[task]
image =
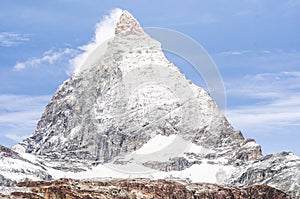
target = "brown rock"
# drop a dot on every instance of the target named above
(140, 188)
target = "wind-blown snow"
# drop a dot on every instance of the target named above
(105, 30)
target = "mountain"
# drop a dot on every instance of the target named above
(129, 95)
(128, 112)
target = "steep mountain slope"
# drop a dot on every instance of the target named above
(128, 113)
(128, 95)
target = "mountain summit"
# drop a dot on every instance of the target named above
(130, 113)
(127, 23)
(128, 96)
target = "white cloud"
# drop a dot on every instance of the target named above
(14, 137)
(49, 57)
(279, 116)
(12, 103)
(266, 85)
(266, 54)
(19, 114)
(104, 30)
(19, 66)
(276, 107)
(75, 57)
(9, 39)
(247, 52)
(235, 52)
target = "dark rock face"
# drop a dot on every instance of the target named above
(278, 170)
(140, 188)
(174, 164)
(6, 182)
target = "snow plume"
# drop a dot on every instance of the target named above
(104, 30)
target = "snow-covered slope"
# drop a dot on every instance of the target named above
(15, 168)
(130, 113)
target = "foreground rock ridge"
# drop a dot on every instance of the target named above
(130, 113)
(138, 188)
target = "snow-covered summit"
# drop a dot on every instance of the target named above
(128, 111)
(128, 94)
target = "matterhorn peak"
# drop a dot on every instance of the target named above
(131, 112)
(127, 23)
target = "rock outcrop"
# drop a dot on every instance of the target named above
(139, 188)
(277, 170)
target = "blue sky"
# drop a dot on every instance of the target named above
(254, 43)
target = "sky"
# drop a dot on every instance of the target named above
(254, 43)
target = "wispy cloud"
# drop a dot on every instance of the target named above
(245, 52)
(277, 106)
(14, 137)
(235, 52)
(8, 39)
(266, 85)
(49, 57)
(279, 113)
(19, 114)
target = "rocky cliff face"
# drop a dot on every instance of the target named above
(129, 94)
(139, 188)
(130, 113)
(14, 168)
(278, 170)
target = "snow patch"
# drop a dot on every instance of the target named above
(193, 148)
(157, 143)
(17, 170)
(74, 131)
(250, 144)
(18, 148)
(209, 173)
